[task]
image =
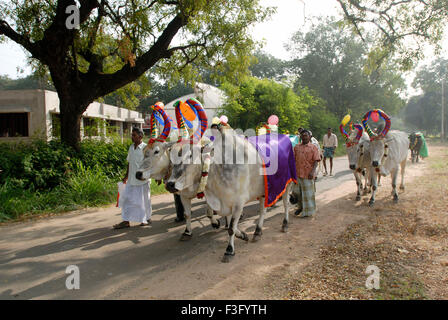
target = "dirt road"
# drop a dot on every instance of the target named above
(151, 262)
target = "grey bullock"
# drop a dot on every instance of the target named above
(388, 152)
(230, 185)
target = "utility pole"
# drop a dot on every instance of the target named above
(442, 134)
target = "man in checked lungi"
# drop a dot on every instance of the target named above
(307, 158)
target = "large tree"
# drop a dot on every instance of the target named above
(117, 41)
(331, 63)
(402, 27)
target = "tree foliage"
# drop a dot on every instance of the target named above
(267, 66)
(329, 61)
(254, 100)
(402, 27)
(424, 111)
(119, 40)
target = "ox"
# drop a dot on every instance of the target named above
(388, 152)
(230, 185)
(358, 156)
(157, 165)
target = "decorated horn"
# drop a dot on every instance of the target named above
(344, 122)
(158, 107)
(203, 122)
(183, 132)
(383, 115)
(360, 129)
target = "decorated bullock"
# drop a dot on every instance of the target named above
(388, 151)
(157, 158)
(236, 171)
(357, 146)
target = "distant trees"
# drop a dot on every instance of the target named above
(331, 63)
(424, 111)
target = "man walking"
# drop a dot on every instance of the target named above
(307, 158)
(330, 144)
(136, 201)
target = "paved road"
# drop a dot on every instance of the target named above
(139, 262)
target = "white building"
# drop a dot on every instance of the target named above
(35, 113)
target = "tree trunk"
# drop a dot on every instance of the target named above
(71, 113)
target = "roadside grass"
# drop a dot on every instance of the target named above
(86, 187)
(407, 242)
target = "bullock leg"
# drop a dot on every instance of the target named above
(403, 169)
(233, 231)
(373, 182)
(262, 211)
(214, 219)
(394, 175)
(227, 222)
(286, 207)
(358, 184)
(187, 206)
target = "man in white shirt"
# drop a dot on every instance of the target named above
(330, 143)
(135, 201)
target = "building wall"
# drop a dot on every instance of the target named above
(41, 104)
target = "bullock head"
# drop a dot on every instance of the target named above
(378, 146)
(352, 143)
(156, 161)
(186, 167)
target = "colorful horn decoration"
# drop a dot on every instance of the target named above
(369, 131)
(360, 129)
(183, 132)
(342, 127)
(202, 118)
(158, 107)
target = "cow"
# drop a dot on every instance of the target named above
(388, 152)
(230, 185)
(415, 144)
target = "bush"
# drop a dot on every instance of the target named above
(39, 165)
(49, 177)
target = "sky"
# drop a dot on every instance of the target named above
(291, 16)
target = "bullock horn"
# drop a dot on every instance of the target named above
(203, 122)
(360, 129)
(157, 107)
(366, 126)
(387, 120)
(344, 122)
(383, 115)
(180, 121)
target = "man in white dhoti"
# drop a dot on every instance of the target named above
(135, 201)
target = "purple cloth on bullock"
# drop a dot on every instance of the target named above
(280, 167)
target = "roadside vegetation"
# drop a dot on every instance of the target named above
(49, 177)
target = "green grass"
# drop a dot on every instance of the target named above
(340, 150)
